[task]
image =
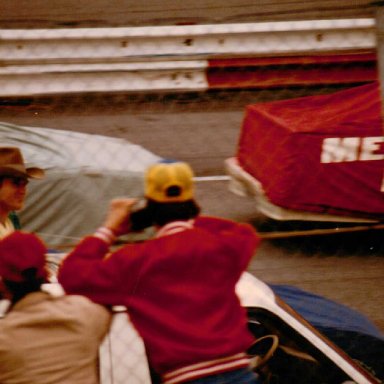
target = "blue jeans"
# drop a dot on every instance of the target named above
(238, 376)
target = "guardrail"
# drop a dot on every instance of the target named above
(170, 58)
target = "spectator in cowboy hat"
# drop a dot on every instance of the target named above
(178, 287)
(46, 336)
(14, 177)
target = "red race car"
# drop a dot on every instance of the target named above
(318, 158)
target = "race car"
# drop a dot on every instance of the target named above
(83, 173)
(315, 158)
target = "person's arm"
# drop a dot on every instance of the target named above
(89, 269)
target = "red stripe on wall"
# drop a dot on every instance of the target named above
(292, 71)
(299, 60)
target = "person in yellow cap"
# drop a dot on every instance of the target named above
(14, 177)
(178, 287)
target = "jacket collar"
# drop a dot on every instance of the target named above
(174, 227)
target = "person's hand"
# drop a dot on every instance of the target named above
(117, 218)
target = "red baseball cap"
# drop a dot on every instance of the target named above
(20, 251)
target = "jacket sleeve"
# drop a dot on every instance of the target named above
(91, 271)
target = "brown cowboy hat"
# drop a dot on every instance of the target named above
(12, 164)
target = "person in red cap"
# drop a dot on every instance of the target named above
(14, 177)
(46, 337)
(178, 287)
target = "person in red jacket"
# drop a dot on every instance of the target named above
(179, 286)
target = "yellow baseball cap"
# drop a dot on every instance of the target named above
(169, 182)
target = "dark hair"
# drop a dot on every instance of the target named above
(155, 213)
(30, 284)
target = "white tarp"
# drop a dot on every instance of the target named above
(83, 172)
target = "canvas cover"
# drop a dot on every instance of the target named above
(318, 153)
(83, 172)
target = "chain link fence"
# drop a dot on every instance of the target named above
(96, 106)
(197, 93)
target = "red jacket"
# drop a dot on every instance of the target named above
(179, 288)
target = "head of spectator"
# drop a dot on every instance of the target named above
(169, 195)
(22, 265)
(14, 177)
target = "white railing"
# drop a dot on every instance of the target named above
(50, 61)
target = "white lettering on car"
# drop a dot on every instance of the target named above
(342, 149)
(347, 149)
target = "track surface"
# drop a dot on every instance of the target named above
(102, 13)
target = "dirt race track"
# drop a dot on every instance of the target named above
(347, 268)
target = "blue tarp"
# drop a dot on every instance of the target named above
(349, 329)
(325, 313)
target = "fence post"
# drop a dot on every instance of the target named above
(380, 48)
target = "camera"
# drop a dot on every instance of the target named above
(141, 216)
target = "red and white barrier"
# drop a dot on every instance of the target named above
(187, 58)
